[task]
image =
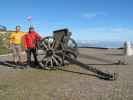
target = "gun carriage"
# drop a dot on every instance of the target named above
(54, 51)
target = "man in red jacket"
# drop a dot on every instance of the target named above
(30, 44)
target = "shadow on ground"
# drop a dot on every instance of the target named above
(12, 65)
(113, 54)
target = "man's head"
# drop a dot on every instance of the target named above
(18, 28)
(31, 29)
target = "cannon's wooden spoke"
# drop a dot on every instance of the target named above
(49, 44)
(41, 52)
(55, 61)
(45, 61)
(51, 62)
(58, 51)
(59, 58)
(44, 45)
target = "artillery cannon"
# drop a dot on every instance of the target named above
(54, 51)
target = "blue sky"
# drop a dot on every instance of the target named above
(110, 20)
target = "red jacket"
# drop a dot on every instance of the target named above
(31, 39)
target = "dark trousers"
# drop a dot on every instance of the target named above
(31, 51)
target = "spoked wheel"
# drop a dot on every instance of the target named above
(49, 57)
(72, 49)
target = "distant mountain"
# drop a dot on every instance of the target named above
(100, 44)
(2, 28)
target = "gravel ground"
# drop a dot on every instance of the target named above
(72, 83)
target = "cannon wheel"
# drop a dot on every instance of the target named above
(51, 58)
(72, 49)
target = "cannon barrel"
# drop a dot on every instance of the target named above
(60, 48)
(99, 73)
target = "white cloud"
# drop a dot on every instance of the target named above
(89, 15)
(92, 15)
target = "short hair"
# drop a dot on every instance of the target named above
(18, 26)
(31, 27)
